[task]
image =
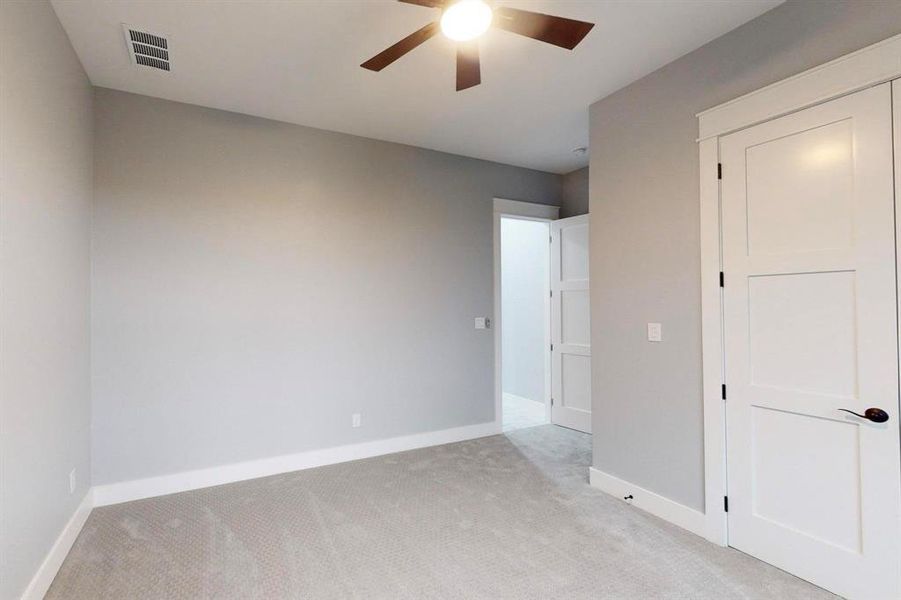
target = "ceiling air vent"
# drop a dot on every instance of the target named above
(147, 49)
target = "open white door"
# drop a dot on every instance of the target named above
(570, 325)
(810, 331)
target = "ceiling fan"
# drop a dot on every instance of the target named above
(464, 20)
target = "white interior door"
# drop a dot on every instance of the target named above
(810, 329)
(570, 325)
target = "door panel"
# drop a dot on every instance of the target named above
(574, 251)
(574, 310)
(810, 328)
(809, 318)
(804, 453)
(570, 324)
(800, 191)
(575, 378)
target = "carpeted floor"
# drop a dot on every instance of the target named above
(509, 516)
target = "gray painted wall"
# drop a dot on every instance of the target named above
(45, 223)
(575, 194)
(256, 283)
(644, 221)
(525, 276)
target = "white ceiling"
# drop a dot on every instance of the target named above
(299, 62)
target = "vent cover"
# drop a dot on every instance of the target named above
(147, 49)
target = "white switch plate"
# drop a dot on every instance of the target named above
(483, 323)
(72, 481)
(355, 420)
(655, 332)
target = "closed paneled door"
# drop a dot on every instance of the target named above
(810, 325)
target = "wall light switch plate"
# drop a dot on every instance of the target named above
(483, 323)
(72, 481)
(355, 420)
(655, 332)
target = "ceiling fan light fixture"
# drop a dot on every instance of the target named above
(466, 20)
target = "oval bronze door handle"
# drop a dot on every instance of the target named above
(876, 415)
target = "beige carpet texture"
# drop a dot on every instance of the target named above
(508, 516)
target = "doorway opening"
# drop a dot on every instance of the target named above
(525, 319)
(542, 318)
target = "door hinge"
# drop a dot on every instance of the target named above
(724, 391)
(552, 347)
(726, 503)
(722, 279)
(552, 293)
(719, 170)
(550, 239)
(552, 401)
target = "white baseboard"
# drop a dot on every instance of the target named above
(668, 510)
(115, 493)
(41, 581)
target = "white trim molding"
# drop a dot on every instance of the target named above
(711, 346)
(859, 70)
(867, 67)
(678, 514)
(896, 125)
(528, 211)
(115, 493)
(42, 579)
(518, 208)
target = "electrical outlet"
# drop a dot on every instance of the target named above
(72, 481)
(355, 420)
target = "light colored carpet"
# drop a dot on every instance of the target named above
(521, 412)
(509, 516)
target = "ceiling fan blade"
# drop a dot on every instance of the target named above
(566, 33)
(469, 71)
(386, 57)
(426, 3)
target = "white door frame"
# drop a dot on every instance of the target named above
(870, 66)
(527, 211)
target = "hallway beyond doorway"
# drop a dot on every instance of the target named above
(520, 413)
